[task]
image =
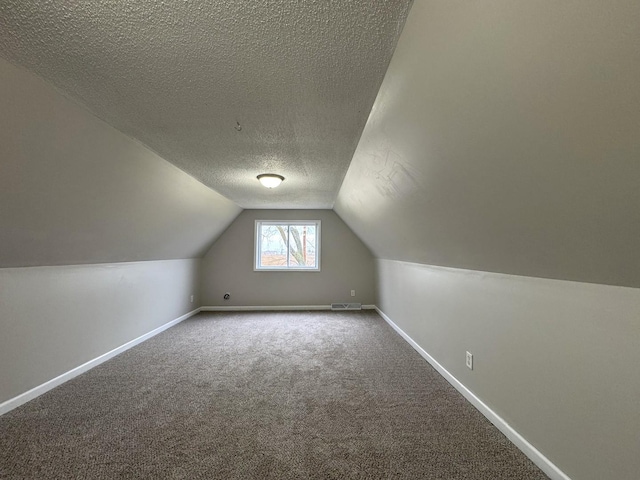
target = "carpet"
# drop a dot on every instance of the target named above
(260, 395)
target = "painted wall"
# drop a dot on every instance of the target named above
(505, 138)
(346, 264)
(53, 319)
(74, 190)
(556, 359)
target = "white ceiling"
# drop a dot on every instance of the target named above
(299, 77)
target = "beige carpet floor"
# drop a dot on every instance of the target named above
(281, 395)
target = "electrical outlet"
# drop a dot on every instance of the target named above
(191, 298)
(353, 293)
(469, 361)
(227, 296)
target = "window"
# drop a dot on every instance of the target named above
(287, 245)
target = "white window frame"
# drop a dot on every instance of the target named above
(257, 238)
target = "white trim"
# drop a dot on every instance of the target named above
(550, 469)
(15, 402)
(255, 308)
(266, 308)
(346, 306)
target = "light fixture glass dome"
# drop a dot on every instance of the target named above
(270, 180)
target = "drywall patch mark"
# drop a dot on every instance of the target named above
(394, 179)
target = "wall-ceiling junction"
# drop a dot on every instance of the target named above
(299, 78)
(74, 190)
(506, 138)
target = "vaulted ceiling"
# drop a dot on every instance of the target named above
(504, 137)
(225, 90)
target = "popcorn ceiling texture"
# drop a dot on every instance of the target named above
(299, 77)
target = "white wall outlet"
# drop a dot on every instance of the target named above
(191, 298)
(353, 293)
(469, 361)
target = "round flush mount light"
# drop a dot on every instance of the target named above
(270, 180)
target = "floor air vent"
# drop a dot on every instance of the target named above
(346, 306)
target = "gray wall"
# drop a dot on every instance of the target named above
(556, 359)
(346, 264)
(505, 139)
(53, 319)
(74, 190)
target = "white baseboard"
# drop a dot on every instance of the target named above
(551, 470)
(255, 308)
(15, 402)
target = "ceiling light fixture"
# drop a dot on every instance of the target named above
(270, 180)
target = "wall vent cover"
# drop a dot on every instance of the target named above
(346, 306)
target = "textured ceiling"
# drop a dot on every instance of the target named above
(299, 77)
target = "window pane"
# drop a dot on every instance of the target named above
(273, 245)
(302, 248)
(282, 246)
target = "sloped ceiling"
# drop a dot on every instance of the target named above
(73, 190)
(506, 138)
(225, 90)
